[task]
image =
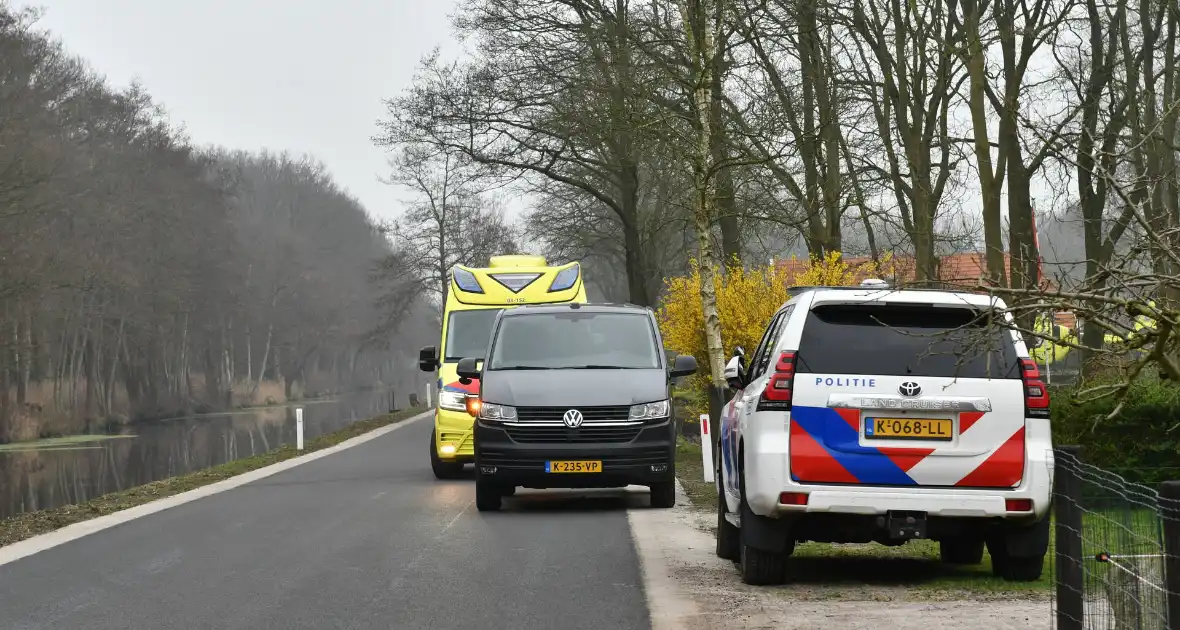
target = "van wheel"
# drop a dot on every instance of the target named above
(663, 494)
(729, 541)
(509, 491)
(961, 551)
(758, 566)
(487, 495)
(441, 469)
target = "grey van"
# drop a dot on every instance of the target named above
(574, 396)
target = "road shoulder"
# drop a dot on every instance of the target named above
(689, 587)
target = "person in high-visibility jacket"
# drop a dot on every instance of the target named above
(1050, 351)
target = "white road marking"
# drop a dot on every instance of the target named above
(36, 544)
(669, 606)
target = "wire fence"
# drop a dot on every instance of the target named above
(1116, 549)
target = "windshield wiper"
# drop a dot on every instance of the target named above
(523, 367)
(603, 367)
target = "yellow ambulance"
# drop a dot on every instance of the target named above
(474, 296)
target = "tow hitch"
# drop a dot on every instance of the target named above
(904, 525)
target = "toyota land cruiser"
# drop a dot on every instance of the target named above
(869, 414)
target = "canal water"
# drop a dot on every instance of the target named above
(47, 475)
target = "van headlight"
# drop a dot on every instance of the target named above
(497, 413)
(452, 401)
(649, 411)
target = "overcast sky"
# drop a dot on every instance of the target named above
(306, 76)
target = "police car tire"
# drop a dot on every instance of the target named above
(729, 541)
(961, 550)
(663, 494)
(761, 568)
(758, 566)
(488, 497)
(441, 469)
(1018, 569)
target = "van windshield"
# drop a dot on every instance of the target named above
(572, 340)
(468, 333)
(906, 340)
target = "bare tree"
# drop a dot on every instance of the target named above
(452, 218)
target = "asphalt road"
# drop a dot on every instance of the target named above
(365, 538)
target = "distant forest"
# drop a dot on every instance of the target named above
(142, 276)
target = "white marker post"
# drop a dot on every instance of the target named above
(428, 403)
(299, 428)
(706, 448)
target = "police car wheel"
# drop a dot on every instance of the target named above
(728, 537)
(758, 567)
(488, 497)
(1018, 569)
(961, 550)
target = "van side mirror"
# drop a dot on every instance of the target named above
(468, 369)
(735, 373)
(684, 365)
(428, 359)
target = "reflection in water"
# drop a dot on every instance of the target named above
(47, 478)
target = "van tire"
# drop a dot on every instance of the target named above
(441, 469)
(729, 537)
(663, 494)
(961, 550)
(488, 496)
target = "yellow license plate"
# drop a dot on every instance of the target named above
(909, 428)
(573, 467)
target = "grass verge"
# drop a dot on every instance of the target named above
(914, 565)
(31, 524)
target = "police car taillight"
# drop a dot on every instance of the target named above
(777, 394)
(1036, 395)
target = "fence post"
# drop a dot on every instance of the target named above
(1170, 510)
(1067, 509)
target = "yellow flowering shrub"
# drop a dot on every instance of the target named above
(746, 300)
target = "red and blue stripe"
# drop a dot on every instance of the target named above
(825, 448)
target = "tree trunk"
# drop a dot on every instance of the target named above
(700, 27)
(726, 200)
(989, 179)
(635, 256)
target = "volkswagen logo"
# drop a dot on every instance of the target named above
(909, 388)
(572, 418)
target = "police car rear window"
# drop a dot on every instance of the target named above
(905, 340)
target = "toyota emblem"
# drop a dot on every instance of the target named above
(572, 418)
(909, 388)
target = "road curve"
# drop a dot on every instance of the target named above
(364, 538)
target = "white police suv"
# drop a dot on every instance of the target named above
(870, 414)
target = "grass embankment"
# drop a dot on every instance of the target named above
(913, 565)
(31, 524)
